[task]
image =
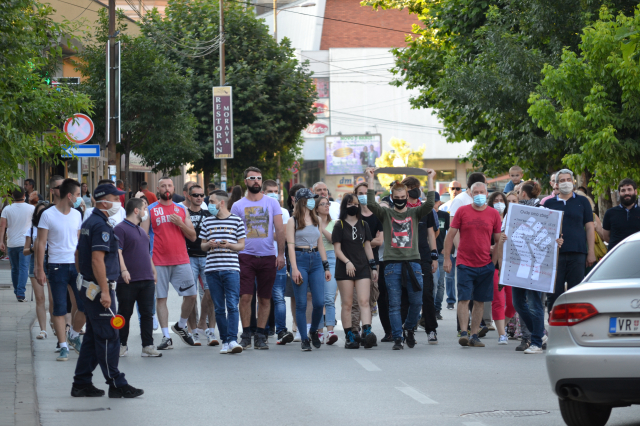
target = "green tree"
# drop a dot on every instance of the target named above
(29, 106)
(475, 62)
(400, 156)
(273, 91)
(593, 98)
(156, 122)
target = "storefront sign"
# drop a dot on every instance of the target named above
(222, 122)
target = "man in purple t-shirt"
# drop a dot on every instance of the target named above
(262, 217)
(137, 282)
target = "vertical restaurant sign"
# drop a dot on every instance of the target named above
(222, 122)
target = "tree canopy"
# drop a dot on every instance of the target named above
(400, 156)
(30, 50)
(273, 91)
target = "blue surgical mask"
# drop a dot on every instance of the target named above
(311, 203)
(362, 199)
(274, 196)
(480, 200)
(77, 203)
(213, 209)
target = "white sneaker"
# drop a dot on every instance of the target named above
(196, 339)
(225, 348)
(503, 340)
(150, 351)
(155, 322)
(321, 336)
(491, 326)
(544, 339)
(211, 338)
(533, 349)
(297, 337)
(331, 338)
(124, 350)
(234, 348)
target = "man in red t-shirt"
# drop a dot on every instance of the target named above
(477, 223)
(170, 225)
(151, 197)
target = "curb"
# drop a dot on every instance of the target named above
(27, 412)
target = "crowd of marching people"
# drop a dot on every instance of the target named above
(234, 258)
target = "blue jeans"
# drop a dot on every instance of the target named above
(528, 304)
(310, 267)
(393, 280)
(279, 304)
(19, 270)
(330, 288)
(60, 276)
(438, 289)
(450, 278)
(224, 287)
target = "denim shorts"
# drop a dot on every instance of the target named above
(476, 283)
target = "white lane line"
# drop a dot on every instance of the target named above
(366, 364)
(413, 393)
(473, 424)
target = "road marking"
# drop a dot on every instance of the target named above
(473, 424)
(366, 364)
(413, 393)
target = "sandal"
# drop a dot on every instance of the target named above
(42, 335)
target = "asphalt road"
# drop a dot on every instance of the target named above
(438, 385)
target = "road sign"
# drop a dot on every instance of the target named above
(79, 128)
(83, 151)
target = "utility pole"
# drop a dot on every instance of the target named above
(223, 161)
(111, 123)
(275, 36)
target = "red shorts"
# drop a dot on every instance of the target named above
(257, 270)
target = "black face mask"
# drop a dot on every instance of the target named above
(254, 189)
(400, 204)
(629, 200)
(353, 210)
(414, 193)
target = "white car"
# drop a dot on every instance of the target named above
(593, 357)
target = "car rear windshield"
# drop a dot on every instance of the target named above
(622, 264)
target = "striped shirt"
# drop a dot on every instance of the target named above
(230, 229)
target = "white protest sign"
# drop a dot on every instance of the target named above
(530, 254)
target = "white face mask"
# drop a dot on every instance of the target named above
(115, 207)
(499, 206)
(565, 187)
(145, 216)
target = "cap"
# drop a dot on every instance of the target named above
(437, 197)
(106, 189)
(305, 193)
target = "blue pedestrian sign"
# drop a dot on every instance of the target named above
(83, 151)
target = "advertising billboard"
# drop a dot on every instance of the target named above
(351, 154)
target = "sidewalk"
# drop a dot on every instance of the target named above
(18, 398)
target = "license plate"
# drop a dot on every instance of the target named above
(619, 325)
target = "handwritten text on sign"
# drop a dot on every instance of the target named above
(222, 122)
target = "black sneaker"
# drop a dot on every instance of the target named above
(305, 346)
(245, 341)
(433, 338)
(438, 316)
(397, 346)
(523, 345)
(284, 337)
(483, 331)
(387, 338)
(315, 339)
(475, 342)
(127, 391)
(166, 344)
(450, 306)
(464, 339)
(350, 341)
(410, 338)
(260, 341)
(86, 391)
(272, 332)
(183, 334)
(369, 340)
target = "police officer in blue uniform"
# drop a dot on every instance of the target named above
(99, 269)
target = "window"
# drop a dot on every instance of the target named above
(622, 264)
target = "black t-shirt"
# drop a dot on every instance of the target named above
(374, 226)
(428, 221)
(621, 223)
(444, 222)
(197, 218)
(351, 239)
(577, 213)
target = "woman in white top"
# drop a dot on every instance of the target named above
(330, 287)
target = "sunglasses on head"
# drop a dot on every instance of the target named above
(254, 177)
(198, 195)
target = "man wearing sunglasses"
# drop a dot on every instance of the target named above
(262, 217)
(198, 259)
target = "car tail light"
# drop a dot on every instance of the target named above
(571, 314)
